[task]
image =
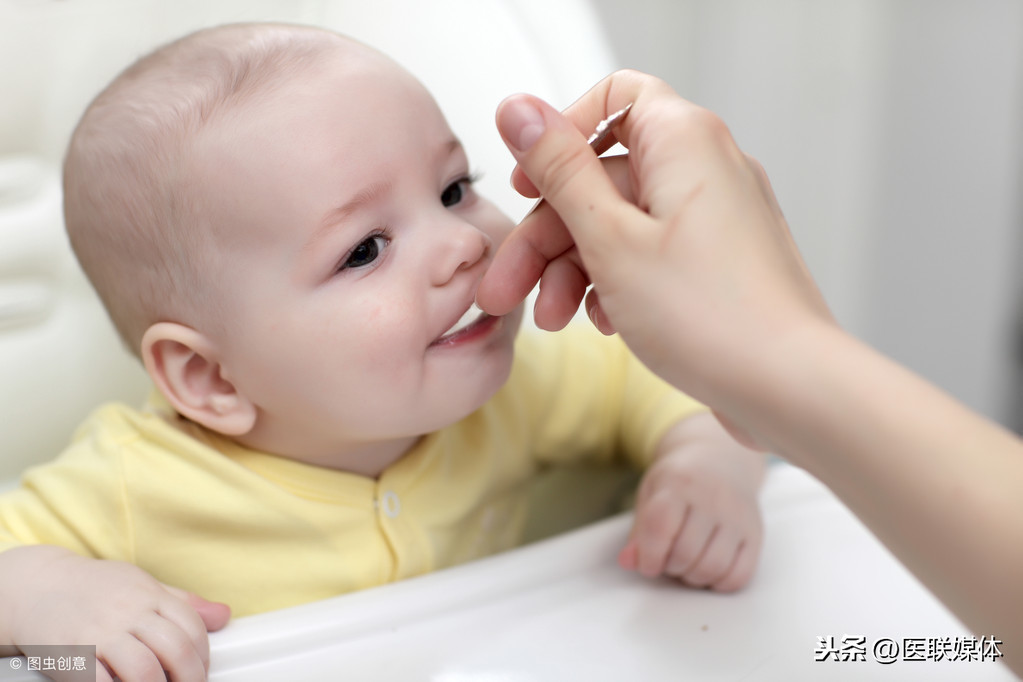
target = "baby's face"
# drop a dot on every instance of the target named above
(354, 242)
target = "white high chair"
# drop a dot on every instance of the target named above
(556, 610)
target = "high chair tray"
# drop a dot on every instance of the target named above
(562, 610)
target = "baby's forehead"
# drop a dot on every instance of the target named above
(350, 118)
(365, 77)
(366, 80)
(361, 70)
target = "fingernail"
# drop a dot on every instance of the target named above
(522, 124)
(599, 320)
(627, 557)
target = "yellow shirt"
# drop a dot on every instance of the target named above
(262, 532)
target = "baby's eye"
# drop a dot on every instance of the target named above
(366, 252)
(455, 192)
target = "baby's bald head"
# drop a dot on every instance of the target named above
(133, 205)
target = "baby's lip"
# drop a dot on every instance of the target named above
(470, 317)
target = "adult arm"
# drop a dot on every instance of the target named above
(701, 277)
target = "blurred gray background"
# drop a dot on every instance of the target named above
(892, 131)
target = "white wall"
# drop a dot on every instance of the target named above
(891, 130)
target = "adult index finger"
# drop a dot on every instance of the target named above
(522, 259)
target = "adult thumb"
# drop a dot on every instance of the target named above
(564, 169)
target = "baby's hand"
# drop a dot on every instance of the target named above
(697, 517)
(142, 629)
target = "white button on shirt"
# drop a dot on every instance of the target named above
(390, 504)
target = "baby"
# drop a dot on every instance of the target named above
(284, 229)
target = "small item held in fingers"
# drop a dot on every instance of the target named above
(604, 127)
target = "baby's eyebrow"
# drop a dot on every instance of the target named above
(366, 195)
(451, 146)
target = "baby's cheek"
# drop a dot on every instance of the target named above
(494, 223)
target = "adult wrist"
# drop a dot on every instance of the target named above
(782, 390)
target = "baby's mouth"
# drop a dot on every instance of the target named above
(469, 319)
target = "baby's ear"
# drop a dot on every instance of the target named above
(184, 365)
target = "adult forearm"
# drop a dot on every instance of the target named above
(940, 485)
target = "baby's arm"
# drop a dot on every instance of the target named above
(140, 627)
(697, 516)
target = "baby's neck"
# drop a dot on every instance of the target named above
(372, 460)
(369, 459)
(362, 459)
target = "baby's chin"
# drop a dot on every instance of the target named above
(485, 391)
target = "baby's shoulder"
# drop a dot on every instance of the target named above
(96, 450)
(545, 354)
(116, 433)
(117, 423)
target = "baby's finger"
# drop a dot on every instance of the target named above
(181, 610)
(214, 614)
(657, 524)
(692, 542)
(176, 649)
(103, 672)
(745, 564)
(739, 573)
(628, 557)
(127, 658)
(714, 562)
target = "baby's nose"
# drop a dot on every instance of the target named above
(459, 248)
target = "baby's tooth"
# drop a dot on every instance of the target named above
(470, 315)
(467, 318)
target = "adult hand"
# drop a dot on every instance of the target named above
(700, 276)
(697, 269)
